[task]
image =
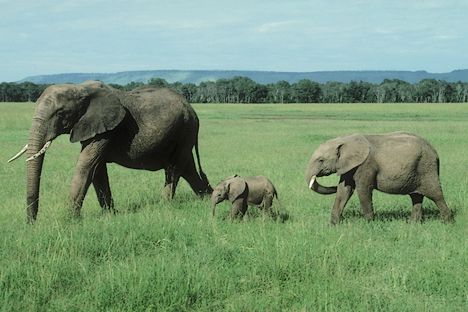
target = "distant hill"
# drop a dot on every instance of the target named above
(197, 76)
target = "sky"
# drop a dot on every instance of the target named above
(49, 37)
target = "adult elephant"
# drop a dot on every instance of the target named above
(395, 163)
(148, 128)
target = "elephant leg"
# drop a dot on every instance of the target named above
(344, 192)
(416, 213)
(102, 188)
(365, 199)
(445, 212)
(432, 190)
(267, 204)
(239, 208)
(190, 174)
(172, 179)
(90, 158)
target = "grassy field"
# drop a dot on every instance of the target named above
(172, 256)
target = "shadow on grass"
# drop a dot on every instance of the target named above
(402, 213)
(178, 202)
(139, 205)
(255, 213)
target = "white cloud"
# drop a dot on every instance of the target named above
(445, 37)
(276, 26)
(168, 24)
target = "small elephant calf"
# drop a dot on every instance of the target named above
(242, 191)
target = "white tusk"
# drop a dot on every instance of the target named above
(25, 148)
(42, 151)
(312, 180)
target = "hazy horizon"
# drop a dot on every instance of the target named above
(250, 70)
(294, 36)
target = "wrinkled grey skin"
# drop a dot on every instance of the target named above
(244, 191)
(148, 129)
(394, 163)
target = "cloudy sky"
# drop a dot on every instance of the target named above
(45, 37)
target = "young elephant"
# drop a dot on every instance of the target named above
(242, 191)
(394, 163)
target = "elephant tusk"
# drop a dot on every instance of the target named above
(23, 150)
(312, 180)
(42, 151)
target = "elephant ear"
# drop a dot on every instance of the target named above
(352, 152)
(104, 113)
(236, 187)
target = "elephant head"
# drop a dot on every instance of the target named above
(83, 111)
(338, 156)
(231, 188)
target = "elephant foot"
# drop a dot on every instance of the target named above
(74, 211)
(415, 219)
(334, 221)
(448, 218)
(109, 211)
(167, 195)
(369, 216)
(74, 217)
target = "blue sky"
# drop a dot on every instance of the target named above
(45, 37)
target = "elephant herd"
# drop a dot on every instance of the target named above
(156, 128)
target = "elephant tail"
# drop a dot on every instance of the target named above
(203, 176)
(280, 205)
(276, 196)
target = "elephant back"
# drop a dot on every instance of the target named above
(158, 107)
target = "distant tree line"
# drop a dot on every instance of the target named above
(20, 92)
(245, 90)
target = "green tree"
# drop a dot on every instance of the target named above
(133, 85)
(279, 92)
(332, 92)
(189, 90)
(306, 91)
(427, 91)
(158, 82)
(358, 92)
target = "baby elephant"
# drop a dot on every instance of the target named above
(244, 191)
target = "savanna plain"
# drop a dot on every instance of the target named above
(155, 255)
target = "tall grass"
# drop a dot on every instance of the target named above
(172, 256)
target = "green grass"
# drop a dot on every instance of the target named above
(171, 256)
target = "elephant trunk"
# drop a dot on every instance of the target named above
(316, 187)
(213, 209)
(34, 167)
(213, 206)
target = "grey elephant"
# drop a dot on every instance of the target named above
(394, 163)
(147, 128)
(244, 191)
